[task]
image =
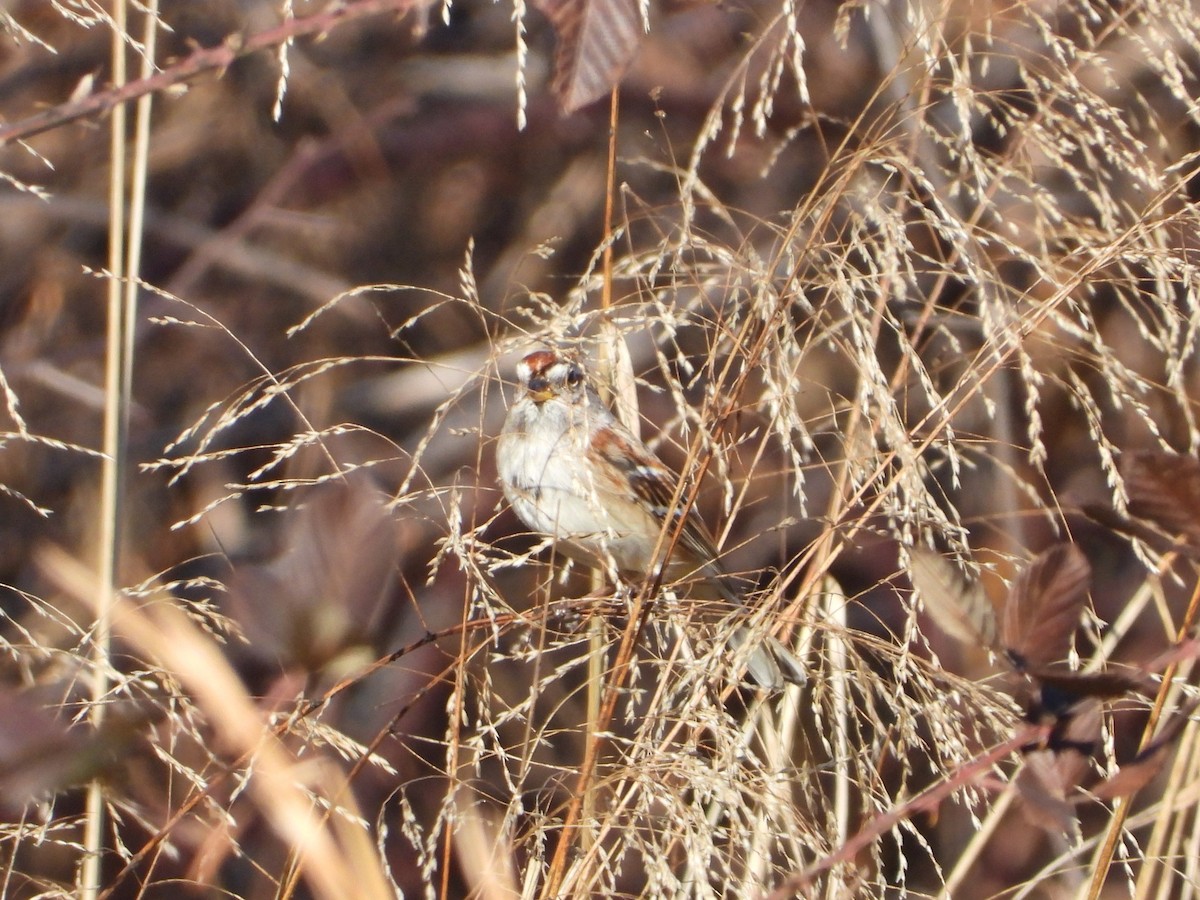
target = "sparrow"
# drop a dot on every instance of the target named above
(573, 472)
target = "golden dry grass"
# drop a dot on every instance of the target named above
(882, 276)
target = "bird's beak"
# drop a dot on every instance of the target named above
(539, 388)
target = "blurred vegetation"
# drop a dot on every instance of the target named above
(888, 274)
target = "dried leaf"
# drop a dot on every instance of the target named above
(1141, 770)
(1131, 528)
(330, 583)
(1052, 773)
(596, 41)
(1164, 488)
(1044, 606)
(958, 606)
(41, 753)
(1177, 653)
(1133, 776)
(1043, 799)
(1078, 739)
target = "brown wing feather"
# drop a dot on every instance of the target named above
(654, 487)
(653, 484)
(650, 485)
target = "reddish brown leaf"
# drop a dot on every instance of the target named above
(1181, 652)
(41, 753)
(1044, 605)
(1136, 774)
(958, 606)
(1133, 776)
(1133, 528)
(1164, 488)
(332, 578)
(596, 41)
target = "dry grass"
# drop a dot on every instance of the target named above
(884, 276)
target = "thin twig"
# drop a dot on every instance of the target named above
(206, 59)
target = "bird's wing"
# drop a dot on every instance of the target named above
(653, 487)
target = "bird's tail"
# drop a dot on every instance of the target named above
(771, 665)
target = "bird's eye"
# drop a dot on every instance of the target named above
(574, 376)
